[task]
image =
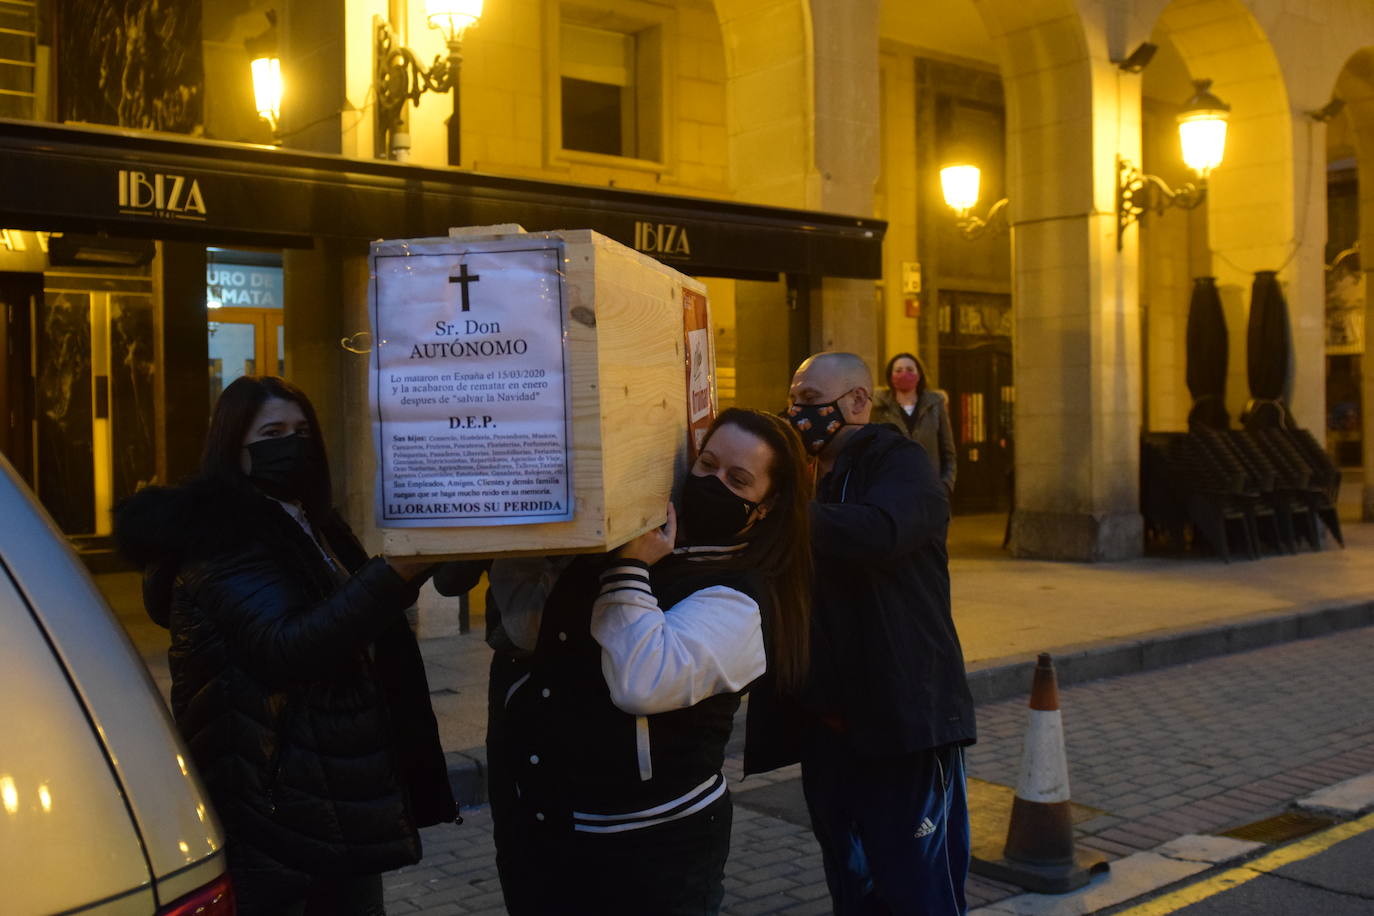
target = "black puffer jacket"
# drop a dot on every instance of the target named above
(885, 656)
(300, 692)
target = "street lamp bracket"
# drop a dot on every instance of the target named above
(401, 76)
(1139, 193)
(973, 228)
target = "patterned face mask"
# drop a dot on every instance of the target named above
(817, 423)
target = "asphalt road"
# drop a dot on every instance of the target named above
(1337, 882)
(1322, 875)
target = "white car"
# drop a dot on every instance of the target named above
(100, 809)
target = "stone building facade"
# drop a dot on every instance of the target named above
(1057, 345)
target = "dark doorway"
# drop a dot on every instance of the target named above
(980, 405)
(1344, 429)
(19, 297)
(975, 370)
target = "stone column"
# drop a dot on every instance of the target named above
(851, 319)
(848, 157)
(770, 96)
(804, 129)
(312, 46)
(897, 194)
(314, 324)
(1077, 348)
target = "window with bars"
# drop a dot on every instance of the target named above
(18, 58)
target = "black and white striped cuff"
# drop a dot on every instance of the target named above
(625, 575)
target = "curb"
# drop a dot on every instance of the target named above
(1003, 678)
(1351, 798)
(1132, 877)
(998, 679)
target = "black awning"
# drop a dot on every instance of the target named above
(83, 179)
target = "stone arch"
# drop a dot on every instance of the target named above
(771, 99)
(1044, 58)
(1314, 46)
(1255, 199)
(1252, 194)
(1076, 346)
(1267, 200)
(803, 110)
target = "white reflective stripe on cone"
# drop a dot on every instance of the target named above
(1044, 771)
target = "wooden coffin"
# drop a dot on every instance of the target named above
(529, 391)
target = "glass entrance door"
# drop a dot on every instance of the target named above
(244, 341)
(243, 306)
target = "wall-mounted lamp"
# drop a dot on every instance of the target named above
(960, 183)
(266, 70)
(401, 76)
(1202, 135)
(267, 90)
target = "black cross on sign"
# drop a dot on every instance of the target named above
(465, 278)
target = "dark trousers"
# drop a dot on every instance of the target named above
(673, 869)
(264, 887)
(893, 831)
(352, 896)
(360, 896)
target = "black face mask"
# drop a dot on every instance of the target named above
(710, 512)
(281, 466)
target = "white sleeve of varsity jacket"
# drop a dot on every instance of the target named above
(710, 642)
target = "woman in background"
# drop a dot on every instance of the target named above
(919, 412)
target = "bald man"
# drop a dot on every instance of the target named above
(889, 709)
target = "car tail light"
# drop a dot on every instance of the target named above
(214, 899)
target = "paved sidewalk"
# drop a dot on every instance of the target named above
(1201, 748)
(1198, 748)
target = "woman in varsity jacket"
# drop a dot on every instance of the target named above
(613, 731)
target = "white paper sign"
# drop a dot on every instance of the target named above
(468, 391)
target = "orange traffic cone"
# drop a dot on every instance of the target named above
(1040, 854)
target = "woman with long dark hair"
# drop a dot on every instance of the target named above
(296, 681)
(919, 412)
(608, 734)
